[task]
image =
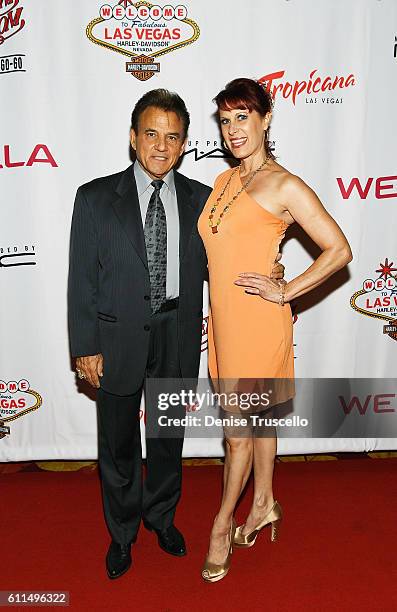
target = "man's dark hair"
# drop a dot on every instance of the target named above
(164, 99)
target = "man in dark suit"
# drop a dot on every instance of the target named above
(137, 266)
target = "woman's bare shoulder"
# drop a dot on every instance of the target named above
(223, 177)
(288, 181)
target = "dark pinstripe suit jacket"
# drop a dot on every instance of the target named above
(108, 307)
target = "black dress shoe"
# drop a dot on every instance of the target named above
(118, 559)
(170, 539)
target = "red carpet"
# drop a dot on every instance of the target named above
(337, 549)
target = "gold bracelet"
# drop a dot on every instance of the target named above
(282, 294)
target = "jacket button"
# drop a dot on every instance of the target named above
(146, 297)
(146, 327)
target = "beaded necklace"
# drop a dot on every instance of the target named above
(215, 226)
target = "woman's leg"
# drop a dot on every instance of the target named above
(238, 464)
(264, 455)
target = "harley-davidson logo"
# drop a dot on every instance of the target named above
(143, 32)
(378, 298)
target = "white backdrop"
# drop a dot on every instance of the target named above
(65, 109)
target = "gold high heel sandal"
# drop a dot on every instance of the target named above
(274, 517)
(212, 572)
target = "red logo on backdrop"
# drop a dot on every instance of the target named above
(379, 404)
(316, 85)
(142, 415)
(16, 400)
(382, 187)
(204, 335)
(40, 154)
(378, 297)
(11, 21)
(143, 32)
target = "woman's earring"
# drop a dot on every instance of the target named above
(225, 145)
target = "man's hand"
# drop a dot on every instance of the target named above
(278, 269)
(91, 368)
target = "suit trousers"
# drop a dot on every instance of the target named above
(127, 497)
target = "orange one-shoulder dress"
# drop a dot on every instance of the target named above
(248, 337)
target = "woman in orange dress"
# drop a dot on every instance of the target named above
(250, 326)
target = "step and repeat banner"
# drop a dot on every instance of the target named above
(70, 74)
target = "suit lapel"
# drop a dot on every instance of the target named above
(128, 211)
(187, 213)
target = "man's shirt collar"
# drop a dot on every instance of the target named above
(143, 180)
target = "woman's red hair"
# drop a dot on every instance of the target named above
(249, 95)
(244, 93)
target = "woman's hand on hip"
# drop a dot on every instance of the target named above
(278, 270)
(259, 284)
